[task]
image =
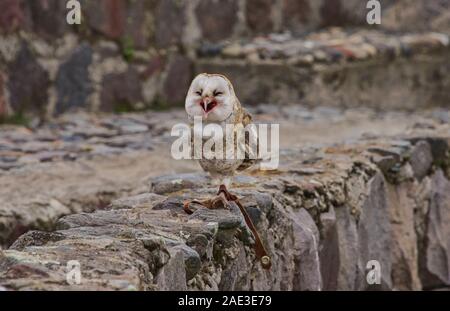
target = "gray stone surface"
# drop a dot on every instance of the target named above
(170, 25)
(435, 256)
(217, 20)
(347, 237)
(27, 83)
(121, 91)
(374, 242)
(421, 159)
(320, 230)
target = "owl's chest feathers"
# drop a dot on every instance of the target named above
(223, 165)
(233, 118)
(226, 135)
(228, 124)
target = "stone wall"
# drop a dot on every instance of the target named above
(323, 216)
(338, 68)
(136, 54)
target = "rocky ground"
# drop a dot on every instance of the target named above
(353, 185)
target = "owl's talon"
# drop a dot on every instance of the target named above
(187, 204)
(214, 203)
(220, 201)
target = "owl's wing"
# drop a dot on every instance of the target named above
(250, 154)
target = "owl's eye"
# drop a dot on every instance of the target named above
(199, 93)
(216, 93)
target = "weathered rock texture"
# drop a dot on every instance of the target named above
(135, 54)
(323, 215)
(78, 163)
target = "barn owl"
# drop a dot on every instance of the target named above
(211, 97)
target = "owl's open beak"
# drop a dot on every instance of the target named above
(208, 104)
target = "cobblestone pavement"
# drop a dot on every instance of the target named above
(81, 135)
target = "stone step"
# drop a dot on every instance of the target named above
(324, 215)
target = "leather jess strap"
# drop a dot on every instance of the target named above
(260, 250)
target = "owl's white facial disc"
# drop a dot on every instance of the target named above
(210, 97)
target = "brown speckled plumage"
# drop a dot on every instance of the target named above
(226, 168)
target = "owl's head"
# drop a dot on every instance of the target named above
(210, 96)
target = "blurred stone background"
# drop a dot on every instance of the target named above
(364, 121)
(131, 55)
